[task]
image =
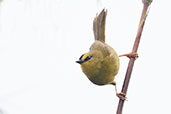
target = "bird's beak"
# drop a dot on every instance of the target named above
(79, 62)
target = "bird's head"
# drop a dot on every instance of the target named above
(90, 58)
(84, 58)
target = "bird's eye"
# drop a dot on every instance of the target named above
(88, 58)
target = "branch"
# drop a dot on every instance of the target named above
(134, 50)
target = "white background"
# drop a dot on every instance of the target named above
(40, 40)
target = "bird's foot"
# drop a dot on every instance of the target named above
(121, 96)
(130, 55)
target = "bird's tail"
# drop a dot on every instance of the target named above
(99, 26)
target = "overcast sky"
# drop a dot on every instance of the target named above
(40, 40)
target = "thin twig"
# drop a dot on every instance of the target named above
(134, 50)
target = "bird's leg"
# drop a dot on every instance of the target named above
(130, 55)
(120, 95)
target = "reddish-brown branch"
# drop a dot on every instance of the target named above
(134, 50)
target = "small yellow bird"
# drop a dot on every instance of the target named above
(101, 63)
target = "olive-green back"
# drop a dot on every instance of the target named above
(101, 46)
(99, 26)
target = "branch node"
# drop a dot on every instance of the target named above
(147, 1)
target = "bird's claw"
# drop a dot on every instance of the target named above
(130, 55)
(121, 96)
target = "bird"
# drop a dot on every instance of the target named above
(101, 64)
